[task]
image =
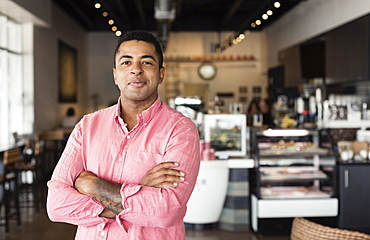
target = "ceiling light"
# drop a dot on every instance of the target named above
(277, 4)
(118, 33)
(265, 16)
(97, 5)
(105, 14)
(114, 28)
(258, 22)
(269, 12)
(111, 22)
(253, 25)
(235, 41)
(241, 36)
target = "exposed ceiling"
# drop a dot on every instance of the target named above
(164, 16)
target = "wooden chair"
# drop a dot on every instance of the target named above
(9, 184)
(303, 229)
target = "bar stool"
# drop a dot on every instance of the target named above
(9, 184)
(52, 143)
(29, 171)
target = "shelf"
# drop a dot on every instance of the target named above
(287, 208)
(293, 152)
(292, 193)
(291, 174)
(346, 124)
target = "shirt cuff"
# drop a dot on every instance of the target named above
(127, 190)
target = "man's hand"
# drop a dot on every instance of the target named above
(163, 175)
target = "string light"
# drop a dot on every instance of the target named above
(236, 38)
(277, 4)
(114, 29)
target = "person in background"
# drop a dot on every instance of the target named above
(128, 170)
(70, 119)
(253, 109)
(265, 107)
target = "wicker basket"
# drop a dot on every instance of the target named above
(303, 229)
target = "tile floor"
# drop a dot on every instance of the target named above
(37, 226)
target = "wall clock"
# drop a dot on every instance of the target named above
(207, 71)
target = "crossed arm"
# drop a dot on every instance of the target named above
(108, 193)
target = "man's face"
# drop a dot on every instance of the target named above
(137, 72)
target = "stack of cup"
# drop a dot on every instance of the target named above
(207, 153)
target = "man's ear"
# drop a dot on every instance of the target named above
(114, 76)
(161, 74)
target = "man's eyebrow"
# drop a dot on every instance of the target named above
(124, 56)
(142, 57)
(148, 56)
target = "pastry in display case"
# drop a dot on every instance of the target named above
(293, 176)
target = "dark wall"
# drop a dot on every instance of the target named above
(341, 57)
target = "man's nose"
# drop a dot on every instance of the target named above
(136, 68)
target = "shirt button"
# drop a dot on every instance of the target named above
(94, 214)
(145, 124)
(100, 227)
(127, 209)
(102, 233)
(128, 136)
(120, 159)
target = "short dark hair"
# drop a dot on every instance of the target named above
(140, 36)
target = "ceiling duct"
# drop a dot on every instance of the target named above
(164, 13)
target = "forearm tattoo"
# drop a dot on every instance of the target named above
(108, 194)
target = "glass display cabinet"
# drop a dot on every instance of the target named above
(293, 176)
(227, 134)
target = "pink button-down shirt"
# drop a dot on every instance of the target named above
(101, 143)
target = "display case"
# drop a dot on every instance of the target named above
(227, 134)
(293, 176)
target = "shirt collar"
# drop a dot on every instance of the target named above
(144, 117)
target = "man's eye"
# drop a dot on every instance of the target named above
(125, 63)
(147, 63)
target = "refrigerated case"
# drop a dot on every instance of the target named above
(354, 196)
(293, 177)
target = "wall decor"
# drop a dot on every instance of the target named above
(67, 73)
(257, 89)
(243, 89)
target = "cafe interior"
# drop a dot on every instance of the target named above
(298, 171)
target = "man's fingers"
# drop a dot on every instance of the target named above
(164, 165)
(164, 181)
(163, 175)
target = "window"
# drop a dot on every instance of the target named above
(12, 86)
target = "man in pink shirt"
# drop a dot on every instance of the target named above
(127, 171)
